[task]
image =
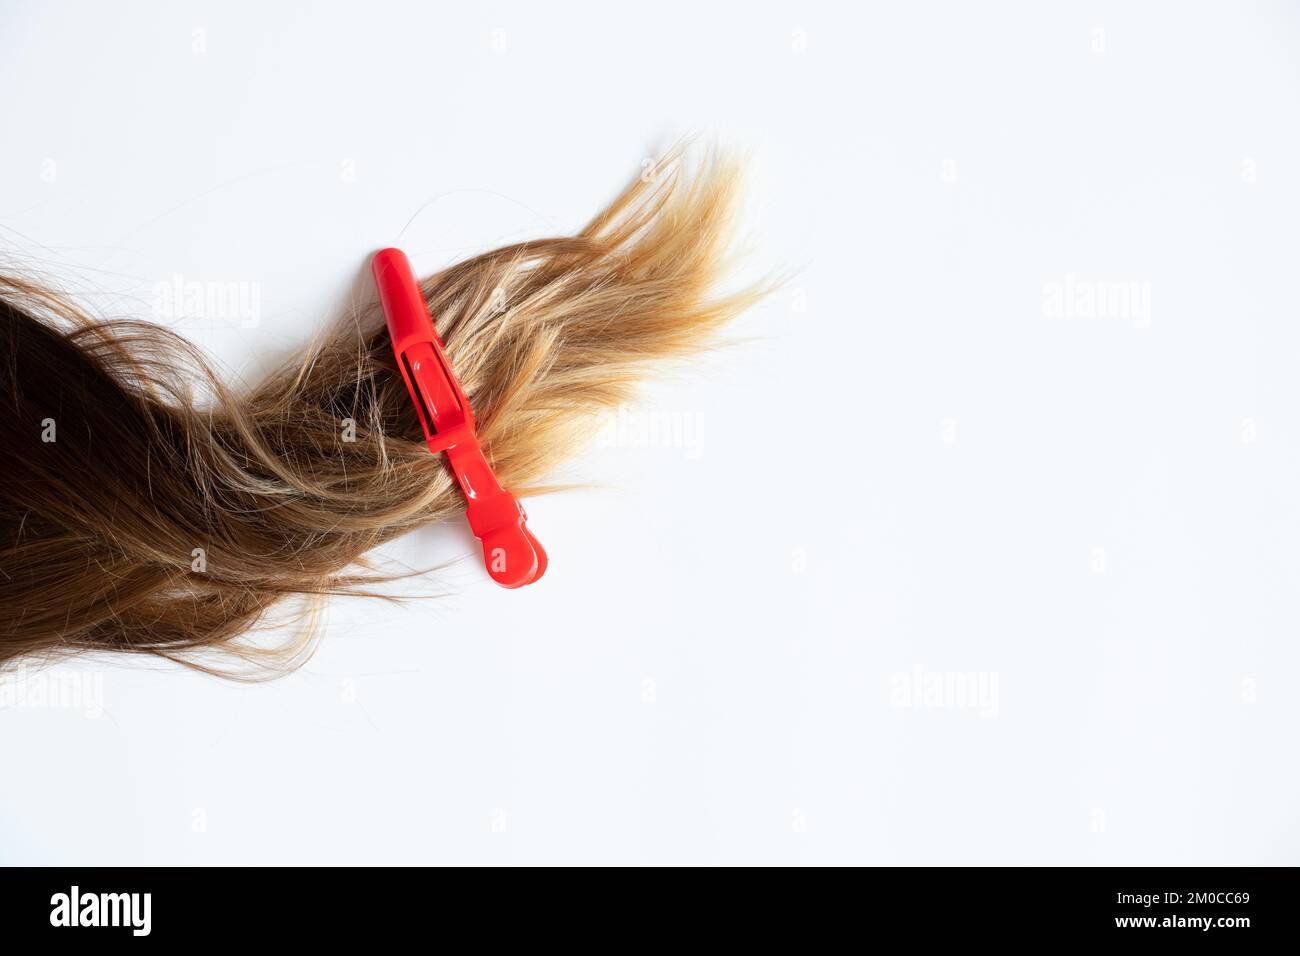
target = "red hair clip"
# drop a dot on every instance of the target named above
(512, 555)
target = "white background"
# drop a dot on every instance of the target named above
(912, 467)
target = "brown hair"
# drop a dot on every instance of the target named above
(147, 507)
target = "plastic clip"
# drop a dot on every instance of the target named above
(512, 555)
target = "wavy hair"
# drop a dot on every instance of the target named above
(147, 507)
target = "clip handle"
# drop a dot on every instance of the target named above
(511, 553)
